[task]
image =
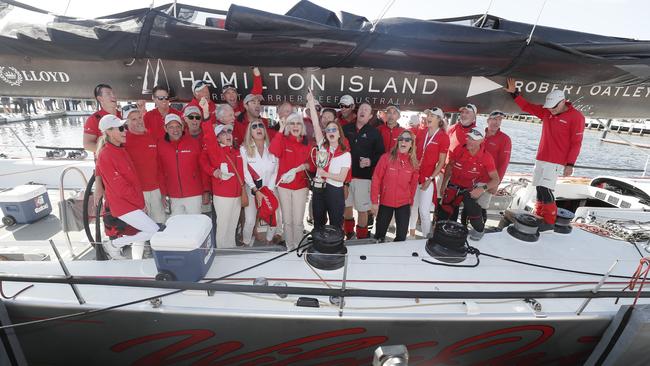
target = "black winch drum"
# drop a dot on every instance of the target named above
(448, 243)
(563, 221)
(328, 249)
(525, 227)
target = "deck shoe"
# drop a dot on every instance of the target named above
(475, 235)
(113, 251)
(362, 232)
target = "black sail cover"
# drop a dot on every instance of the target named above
(411, 62)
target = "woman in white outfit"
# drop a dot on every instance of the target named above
(432, 144)
(260, 169)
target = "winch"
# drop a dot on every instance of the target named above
(448, 243)
(524, 227)
(328, 249)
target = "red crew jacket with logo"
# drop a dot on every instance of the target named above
(143, 150)
(394, 181)
(291, 152)
(389, 135)
(458, 135)
(154, 121)
(468, 169)
(561, 134)
(122, 188)
(499, 146)
(429, 155)
(91, 126)
(212, 157)
(180, 174)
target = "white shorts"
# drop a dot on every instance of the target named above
(545, 174)
(359, 195)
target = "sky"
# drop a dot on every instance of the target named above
(618, 18)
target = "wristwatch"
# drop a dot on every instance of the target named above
(484, 186)
(253, 191)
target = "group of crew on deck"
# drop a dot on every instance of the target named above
(162, 162)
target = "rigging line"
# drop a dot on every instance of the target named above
(530, 36)
(484, 17)
(66, 8)
(383, 12)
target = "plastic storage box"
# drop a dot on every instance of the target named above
(25, 204)
(183, 251)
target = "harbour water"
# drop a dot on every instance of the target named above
(67, 132)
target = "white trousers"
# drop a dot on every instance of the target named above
(422, 202)
(250, 213)
(139, 220)
(227, 210)
(186, 205)
(153, 203)
(293, 205)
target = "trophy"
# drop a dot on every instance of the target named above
(321, 158)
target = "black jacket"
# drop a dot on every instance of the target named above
(366, 143)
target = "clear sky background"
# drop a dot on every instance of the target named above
(619, 18)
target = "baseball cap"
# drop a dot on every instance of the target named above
(109, 121)
(221, 128)
(347, 100)
(171, 117)
(475, 134)
(250, 97)
(225, 87)
(469, 106)
(198, 85)
(436, 112)
(190, 109)
(553, 98)
(127, 109)
(497, 113)
(268, 206)
(393, 106)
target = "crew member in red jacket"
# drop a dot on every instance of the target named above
(467, 165)
(394, 182)
(201, 92)
(141, 145)
(346, 112)
(559, 146)
(224, 165)
(230, 95)
(458, 132)
(252, 112)
(154, 120)
(107, 105)
(293, 155)
(497, 143)
(391, 129)
(182, 179)
(123, 192)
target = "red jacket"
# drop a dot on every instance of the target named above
(389, 135)
(121, 184)
(91, 126)
(257, 90)
(499, 146)
(154, 122)
(291, 152)
(212, 157)
(458, 135)
(429, 155)
(352, 118)
(561, 134)
(394, 181)
(181, 174)
(467, 170)
(144, 154)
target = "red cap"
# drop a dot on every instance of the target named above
(266, 211)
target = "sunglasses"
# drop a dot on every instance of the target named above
(331, 129)
(129, 107)
(121, 128)
(193, 117)
(405, 139)
(162, 98)
(255, 126)
(345, 105)
(475, 133)
(497, 114)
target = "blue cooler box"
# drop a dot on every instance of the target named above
(184, 249)
(26, 203)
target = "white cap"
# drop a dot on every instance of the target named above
(171, 117)
(109, 121)
(198, 85)
(436, 112)
(469, 106)
(220, 128)
(191, 109)
(475, 134)
(250, 97)
(347, 100)
(553, 98)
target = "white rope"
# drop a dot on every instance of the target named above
(484, 17)
(530, 36)
(383, 12)
(66, 7)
